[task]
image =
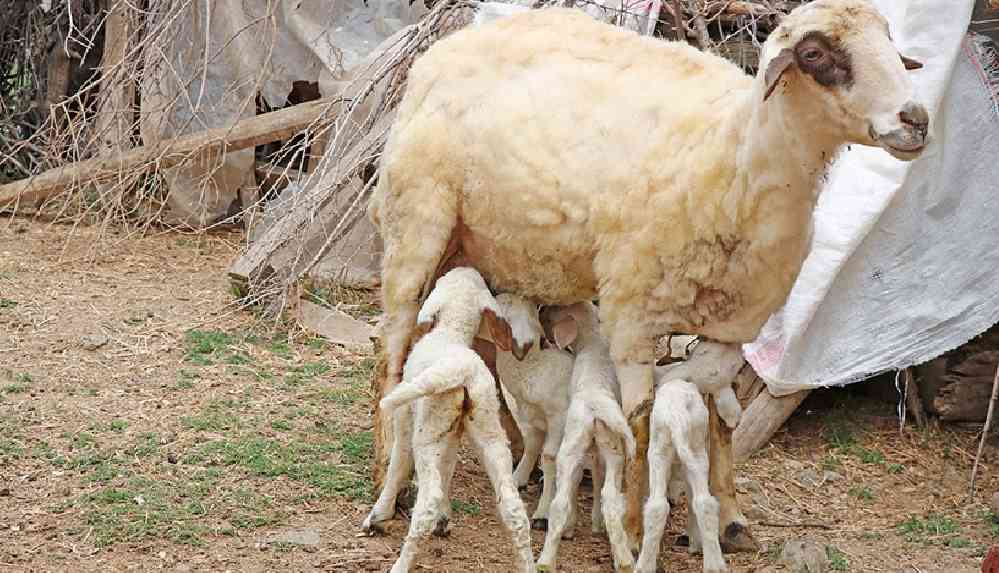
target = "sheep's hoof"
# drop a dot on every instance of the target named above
(539, 524)
(738, 539)
(372, 527)
(537, 476)
(682, 540)
(441, 529)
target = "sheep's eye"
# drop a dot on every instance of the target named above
(812, 55)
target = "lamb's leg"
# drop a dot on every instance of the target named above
(612, 501)
(704, 509)
(428, 500)
(533, 440)
(399, 470)
(443, 527)
(490, 439)
(661, 455)
(597, 523)
(569, 470)
(734, 528)
(553, 439)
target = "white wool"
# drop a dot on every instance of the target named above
(442, 378)
(711, 367)
(679, 443)
(595, 418)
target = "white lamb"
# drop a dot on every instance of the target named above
(540, 384)
(567, 160)
(679, 442)
(594, 418)
(452, 389)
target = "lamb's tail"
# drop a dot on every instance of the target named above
(606, 409)
(446, 375)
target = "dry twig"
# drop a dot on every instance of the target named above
(985, 430)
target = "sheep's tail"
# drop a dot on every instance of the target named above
(606, 409)
(446, 375)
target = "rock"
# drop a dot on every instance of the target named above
(793, 465)
(748, 485)
(336, 326)
(93, 341)
(804, 556)
(831, 476)
(306, 538)
(810, 478)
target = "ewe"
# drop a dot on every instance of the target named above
(452, 389)
(594, 419)
(567, 159)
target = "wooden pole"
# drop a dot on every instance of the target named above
(206, 145)
(761, 420)
(985, 430)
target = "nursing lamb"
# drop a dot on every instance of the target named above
(568, 159)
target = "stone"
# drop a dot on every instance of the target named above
(748, 485)
(93, 341)
(804, 556)
(756, 513)
(810, 478)
(831, 476)
(336, 326)
(305, 537)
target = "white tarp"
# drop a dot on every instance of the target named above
(905, 260)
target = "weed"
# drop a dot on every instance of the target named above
(7, 303)
(915, 529)
(992, 521)
(211, 421)
(356, 448)
(149, 443)
(869, 456)
(16, 388)
(468, 508)
(839, 436)
(306, 373)
(204, 347)
(871, 536)
(831, 463)
(837, 559)
(958, 542)
(10, 449)
(118, 425)
(863, 493)
(281, 425)
(317, 343)
(895, 468)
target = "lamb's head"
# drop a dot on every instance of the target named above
(522, 315)
(461, 301)
(836, 61)
(563, 325)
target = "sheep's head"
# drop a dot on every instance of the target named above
(463, 296)
(839, 54)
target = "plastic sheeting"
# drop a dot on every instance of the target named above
(905, 258)
(218, 54)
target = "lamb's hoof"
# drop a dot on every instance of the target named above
(738, 539)
(372, 527)
(539, 524)
(441, 528)
(682, 540)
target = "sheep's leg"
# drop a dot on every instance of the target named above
(661, 456)
(597, 523)
(553, 439)
(635, 378)
(414, 248)
(494, 453)
(612, 501)
(568, 472)
(399, 470)
(734, 528)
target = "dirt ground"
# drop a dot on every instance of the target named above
(148, 424)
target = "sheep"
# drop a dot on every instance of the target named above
(452, 389)
(594, 418)
(567, 159)
(679, 439)
(539, 382)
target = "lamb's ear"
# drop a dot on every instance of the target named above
(776, 68)
(911, 64)
(431, 307)
(499, 328)
(565, 330)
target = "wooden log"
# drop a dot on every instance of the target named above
(206, 145)
(762, 420)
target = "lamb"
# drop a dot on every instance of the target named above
(594, 417)
(679, 439)
(593, 162)
(450, 388)
(539, 382)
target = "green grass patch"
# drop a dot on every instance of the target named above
(306, 373)
(7, 303)
(208, 347)
(895, 468)
(958, 542)
(468, 508)
(863, 493)
(837, 559)
(915, 529)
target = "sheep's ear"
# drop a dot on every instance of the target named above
(911, 64)
(776, 68)
(499, 329)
